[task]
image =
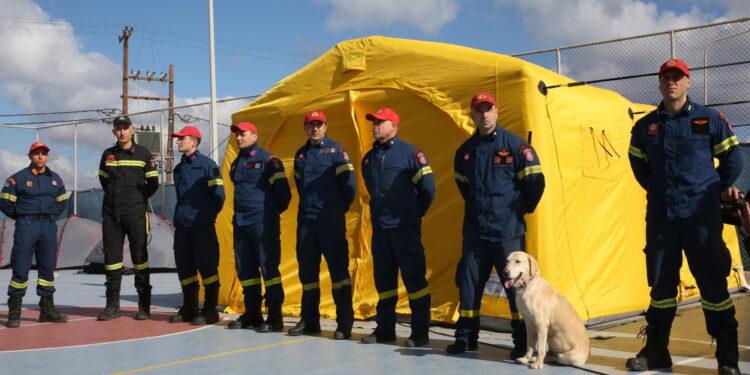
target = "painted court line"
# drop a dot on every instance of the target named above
(108, 342)
(217, 355)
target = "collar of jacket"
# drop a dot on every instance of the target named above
(192, 156)
(688, 108)
(33, 171)
(387, 144)
(320, 144)
(130, 150)
(489, 137)
(249, 150)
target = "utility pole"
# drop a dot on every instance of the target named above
(126, 32)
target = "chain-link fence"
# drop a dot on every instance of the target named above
(77, 146)
(718, 56)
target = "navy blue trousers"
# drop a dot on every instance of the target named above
(327, 237)
(197, 249)
(33, 237)
(709, 261)
(393, 250)
(257, 251)
(472, 273)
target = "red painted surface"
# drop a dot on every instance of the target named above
(83, 329)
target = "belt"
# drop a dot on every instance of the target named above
(38, 216)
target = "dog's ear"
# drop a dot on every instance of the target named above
(533, 266)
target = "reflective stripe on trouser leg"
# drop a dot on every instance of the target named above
(46, 258)
(137, 227)
(25, 239)
(710, 263)
(113, 238)
(246, 261)
(386, 281)
(336, 251)
(411, 261)
(308, 258)
(269, 253)
(472, 272)
(663, 261)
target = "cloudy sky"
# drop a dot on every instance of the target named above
(63, 55)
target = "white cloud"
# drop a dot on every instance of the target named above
(555, 23)
(42, 67)
(426, 15)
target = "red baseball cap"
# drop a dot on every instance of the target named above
(315, 116)
(188, 130)
(480, 98)
(675, 64)
(384, 114)
(244, 126)
(37, 145)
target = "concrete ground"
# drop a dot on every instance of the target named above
(86, 346)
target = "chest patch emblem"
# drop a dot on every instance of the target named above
(110, 158)
(653, 129)
(29, 183)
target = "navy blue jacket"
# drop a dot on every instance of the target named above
(128, 178)
(260, 186)
(30, 193)
(325, 180)
(672, 157)
(400, 183)
(200, 191)
(500, 179)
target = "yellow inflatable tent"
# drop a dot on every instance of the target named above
(588, 230)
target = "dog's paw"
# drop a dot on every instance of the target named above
(523, 360)
(536, 365)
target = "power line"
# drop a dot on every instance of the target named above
(59, 113)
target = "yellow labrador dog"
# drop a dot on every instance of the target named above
(549, 317)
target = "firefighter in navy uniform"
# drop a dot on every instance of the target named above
(128, 176)
(326, 183)
(672, 151)
(401, 187)
(200, 197)
(34, 197)
(500, 180)
(261, 194)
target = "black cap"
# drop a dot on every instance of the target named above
(121, 119)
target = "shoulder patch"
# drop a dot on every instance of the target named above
(527, 152)
(344, 154)
(275, 161)
(12, 181)
(724, 118)
(419, 154)
(152, 163)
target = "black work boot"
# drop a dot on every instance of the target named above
(189, 309)
(48, 313)
(14, 312)
(274, 322)
(208, 314)
(144, 305)
(417, 339)
(252, 318)
(112, 310)
(727, 351)
(376, 337)
(655, 355)
(519, 339)
(305, 328)
(343, 331)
